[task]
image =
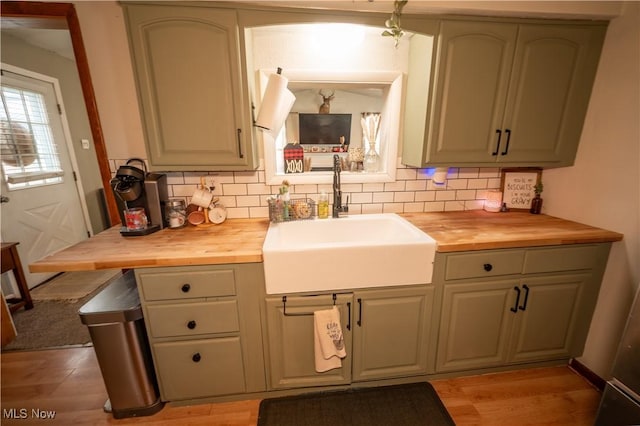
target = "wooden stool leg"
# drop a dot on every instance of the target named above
(20, 279)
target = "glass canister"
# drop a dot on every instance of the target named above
(175, 213)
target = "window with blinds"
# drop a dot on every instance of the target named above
(28, 152)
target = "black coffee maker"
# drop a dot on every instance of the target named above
(134, 187)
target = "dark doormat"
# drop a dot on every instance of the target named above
(415, 404)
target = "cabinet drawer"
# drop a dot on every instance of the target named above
(199, 368)
(184, 319)
(484, 264)
(560, 259)
(187, 285)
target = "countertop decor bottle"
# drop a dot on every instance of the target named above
(536, 203)
(323, 206)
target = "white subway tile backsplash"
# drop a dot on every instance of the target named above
(248, 201)
(406, 174)
(361, 197)
(425, 196)
(445, 195)
(416, 185)
(403, 197)
(234, 189)
(413, 207)
(382, 197)
(453, 206)
(393, 208)
(245, 193)
(237, 212)
(395, 186)
(477, 183)
(373, 187)
(371, 208)
(245, 177)
(467, 194)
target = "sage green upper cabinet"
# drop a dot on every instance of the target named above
(186, 62)
(509, 93)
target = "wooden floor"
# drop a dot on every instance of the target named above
(68, 382)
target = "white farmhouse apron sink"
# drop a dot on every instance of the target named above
(371, 250)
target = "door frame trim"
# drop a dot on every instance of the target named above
(40, 15)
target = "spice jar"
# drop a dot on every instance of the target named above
(176, 213)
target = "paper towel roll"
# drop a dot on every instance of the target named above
(276, 104)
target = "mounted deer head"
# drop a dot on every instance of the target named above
(325, 108)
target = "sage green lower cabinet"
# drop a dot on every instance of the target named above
(541, 312)
(391, 332)
(386, 334)
(204, 328)
(289, 334)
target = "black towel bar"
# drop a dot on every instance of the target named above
(299, 314)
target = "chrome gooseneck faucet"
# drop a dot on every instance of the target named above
(338, 208)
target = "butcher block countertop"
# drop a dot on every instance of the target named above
(240, 240)
(480, 230)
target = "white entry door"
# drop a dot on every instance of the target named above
(41, 208)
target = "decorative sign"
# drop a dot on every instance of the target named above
(293, 158)
(518, 187)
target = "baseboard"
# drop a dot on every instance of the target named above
(589, 375)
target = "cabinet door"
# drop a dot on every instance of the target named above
(187, 65)
(553, 73)
(199, 368)
(291, 342)
(548, 314)
(474, 62)
(475, 325)
(391, 332)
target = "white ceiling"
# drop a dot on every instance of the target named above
(57, 41)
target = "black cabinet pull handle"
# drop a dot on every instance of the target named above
(240, 143)
(526, 298)
(348, 315)
(499, 132)
(196, 357)
(487, 267)
(359, 312)
(186, 288)
(506, 148)
(514, 309)
(191, 325)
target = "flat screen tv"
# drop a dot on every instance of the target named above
(319, 129)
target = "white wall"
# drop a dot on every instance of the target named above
(603, 187)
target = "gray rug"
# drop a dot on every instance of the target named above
(50, 324)
(415, 404)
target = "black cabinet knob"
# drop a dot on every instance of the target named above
(191, 325)
(488, 267)
(186, 288)
(196, 357)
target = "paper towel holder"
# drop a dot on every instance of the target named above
(273, 106)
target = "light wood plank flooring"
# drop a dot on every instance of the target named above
(68, 381)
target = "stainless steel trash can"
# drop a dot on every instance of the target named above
(116, 325)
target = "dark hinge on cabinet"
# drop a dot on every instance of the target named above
(59, 109)
(75, 176)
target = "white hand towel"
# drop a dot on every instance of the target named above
(329, 342)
